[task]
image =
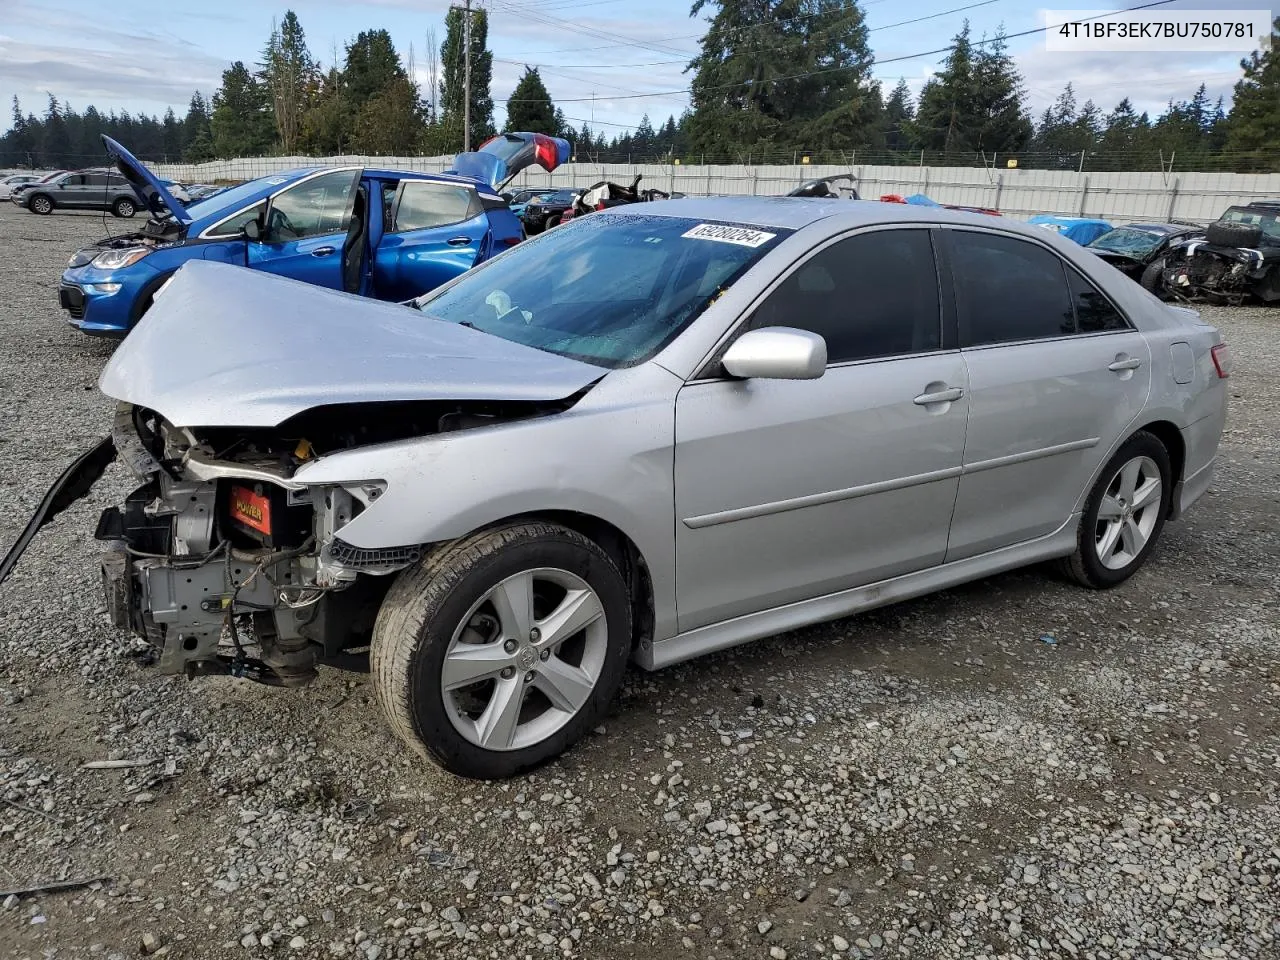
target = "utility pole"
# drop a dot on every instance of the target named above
(465, 10)
(466, 82)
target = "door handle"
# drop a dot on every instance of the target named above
(459, 241)
(324, 251)
(941, 396)
(1128, 363)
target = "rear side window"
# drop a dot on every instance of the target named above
(1094, 312)
(422, 205)
(871, 295)
(1008, 289)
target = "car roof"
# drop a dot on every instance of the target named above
(792, 213)
(1158, 227)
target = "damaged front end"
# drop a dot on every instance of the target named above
(225, 565)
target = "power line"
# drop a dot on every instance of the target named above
(874, 62)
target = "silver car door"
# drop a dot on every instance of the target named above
(787, 490)
(1057, 375)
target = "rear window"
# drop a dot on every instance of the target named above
(1268, 220)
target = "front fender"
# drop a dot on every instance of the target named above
(610, 457)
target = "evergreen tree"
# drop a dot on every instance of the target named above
(1124, 133)
(55, 143)
(197, 132)
(290, 75)
(530, 106)
(386, 108)
(325, 125)
(1254, 123)
(783, 74)
(171, 133)
(899, 114)
(241, 123)
(975, 102)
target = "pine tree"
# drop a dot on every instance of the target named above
(783, 74)
(899, 114)
(55, 144)
(197, 132)
(290, 75)
(241, 123)
(387, 107)
(530, 106)
(1254, 123)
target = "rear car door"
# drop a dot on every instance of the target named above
(305, 227)
(1057, 375)
(434, 231)
(792, 489)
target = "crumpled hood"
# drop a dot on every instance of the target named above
(227, 346)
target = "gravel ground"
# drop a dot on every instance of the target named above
(931, 780)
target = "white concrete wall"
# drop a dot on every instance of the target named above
(1114, 196)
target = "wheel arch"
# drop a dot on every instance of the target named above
(621, 549)
(1171, 438)
(32, 197)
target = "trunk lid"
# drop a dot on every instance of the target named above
(500, 158)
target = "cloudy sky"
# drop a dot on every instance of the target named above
(596, 56)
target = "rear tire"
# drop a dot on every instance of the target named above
(451, 648)
(40, 204)
(553, 221)
(1124, 514)
(124, 208)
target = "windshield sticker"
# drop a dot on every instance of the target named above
(276, 180)
(741, 236)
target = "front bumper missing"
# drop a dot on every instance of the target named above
(74, 483)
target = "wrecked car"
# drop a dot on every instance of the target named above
(501, 492)
(605, 194)
(387, 234)
(838, 186)
(1082, 230)
(1237, 257)
(1138, 249)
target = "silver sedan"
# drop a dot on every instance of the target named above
(660, 431)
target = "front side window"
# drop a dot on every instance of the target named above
(72, 180)
(1008, 289)
(607, 289)
(871, 295)
(423, 204)
(315, 207)
(235, 224)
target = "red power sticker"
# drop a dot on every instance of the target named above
(251, 509)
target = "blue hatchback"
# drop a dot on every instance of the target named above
(387, 234)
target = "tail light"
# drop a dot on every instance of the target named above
(510, 241)
(600, 205)
(1221, 360)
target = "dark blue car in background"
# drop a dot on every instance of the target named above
(387, 234)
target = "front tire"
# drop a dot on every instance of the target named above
(1124, 514)
(499, 651)
(1152, 279)
(40, 204)
(124, 208)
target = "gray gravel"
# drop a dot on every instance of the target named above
(931, 780)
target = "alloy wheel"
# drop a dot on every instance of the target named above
(1128, 513)
(525, 659)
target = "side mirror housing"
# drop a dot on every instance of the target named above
(252, 230)
(508, 196)
(777, 353)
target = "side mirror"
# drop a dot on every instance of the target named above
(508, 197)
(777, 353)
(252, 230)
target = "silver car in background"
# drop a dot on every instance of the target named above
(657, 432)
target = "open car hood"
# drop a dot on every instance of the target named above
(226, 346)
(151, 192)
(500, 158)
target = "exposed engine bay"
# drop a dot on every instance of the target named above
(1230, 262)
(225, 564)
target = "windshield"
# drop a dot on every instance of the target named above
(607, 289)
(232, 197)
(1128, 241)
(1268, 220)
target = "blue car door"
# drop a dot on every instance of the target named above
(435, 230)
(305, 229)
